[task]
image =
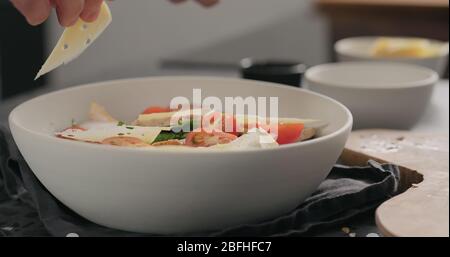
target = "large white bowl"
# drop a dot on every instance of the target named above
(359, 49)
(168, 191)
(379, 95)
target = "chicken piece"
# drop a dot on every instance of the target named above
(308, 133)
(163, 119)
(169, 142)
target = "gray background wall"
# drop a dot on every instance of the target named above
(144, 32)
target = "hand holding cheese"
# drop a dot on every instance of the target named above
(76, 39)
(69, 11)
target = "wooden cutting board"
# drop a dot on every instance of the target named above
(423, 207)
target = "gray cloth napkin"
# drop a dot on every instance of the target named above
(346, 193)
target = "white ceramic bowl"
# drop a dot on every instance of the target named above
(168, 191)
(379, 95)
(359, 49)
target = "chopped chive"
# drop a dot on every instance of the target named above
(120, 123)
(121, 134)
(129, 127)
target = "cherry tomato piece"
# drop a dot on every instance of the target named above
(289, 133)
(156, 109)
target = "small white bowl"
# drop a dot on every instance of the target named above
(175, 191)
(359, 49)
(380, 95)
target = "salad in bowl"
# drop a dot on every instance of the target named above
(167, 170)
(194, 128)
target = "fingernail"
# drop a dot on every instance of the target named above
(90, 16)
(33, 22)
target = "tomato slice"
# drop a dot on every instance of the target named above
(204, 139)
(156, 109)
(289, 133)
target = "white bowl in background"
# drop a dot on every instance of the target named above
(359, 49)
(379, 95)
(175, 191)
